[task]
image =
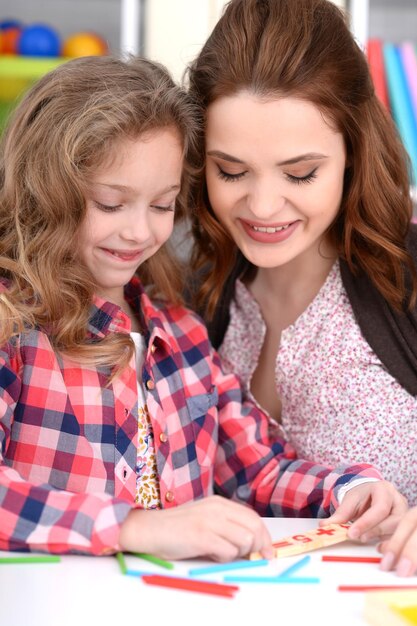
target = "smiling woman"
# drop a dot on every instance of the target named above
(302, 234)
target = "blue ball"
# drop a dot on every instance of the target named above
(39, 40)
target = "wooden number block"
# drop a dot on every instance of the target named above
(391, 608)
(311, 540)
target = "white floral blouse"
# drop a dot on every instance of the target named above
(339, 403)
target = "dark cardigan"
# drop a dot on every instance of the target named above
(392, 335)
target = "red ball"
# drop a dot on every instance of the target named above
(9, 39)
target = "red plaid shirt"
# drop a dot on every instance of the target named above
(69, 441)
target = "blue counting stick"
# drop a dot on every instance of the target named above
(286, 573)
(270, 579)
(225, 567)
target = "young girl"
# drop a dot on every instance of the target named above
(303, 236)
(117, 423)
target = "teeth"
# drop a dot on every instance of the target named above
(269, 229)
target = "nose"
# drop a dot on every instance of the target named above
(136, 226)
(266, 198)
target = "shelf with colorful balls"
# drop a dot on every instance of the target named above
(28, 51)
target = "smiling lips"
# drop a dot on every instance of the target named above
(124, 255)
(269, 233)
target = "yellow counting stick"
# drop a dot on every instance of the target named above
(305, 542)
(391, 608)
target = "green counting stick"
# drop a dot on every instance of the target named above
(154, 559)
(46, 558)
(122, 563)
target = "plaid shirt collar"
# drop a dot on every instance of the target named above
(107, 317)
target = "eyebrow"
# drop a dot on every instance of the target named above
(124, 188)
(308, 156)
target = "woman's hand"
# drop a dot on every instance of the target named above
(375, 508)
(214, 528)
(400, 551)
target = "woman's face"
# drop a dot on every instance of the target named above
(275, 171)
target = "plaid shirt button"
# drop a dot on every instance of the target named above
(169, 496)
(153, 348)
(163, 438)
(150, 384)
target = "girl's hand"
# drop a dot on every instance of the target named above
(214, 527)
(375, 508)
(401, 550)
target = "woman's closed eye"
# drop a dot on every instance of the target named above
(229, 177)
(299, 180)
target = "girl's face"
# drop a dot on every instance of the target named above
(275, 172)
(130, 209)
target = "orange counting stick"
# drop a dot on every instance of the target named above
(311, 540)
(187, 584)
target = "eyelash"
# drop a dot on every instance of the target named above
(230, 178)
(106, 208)
(164, 209)
(298, 180)
(112, 209)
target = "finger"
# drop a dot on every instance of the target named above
(381, 519)
(369, 522)
(220, 549)
(248, 539)
(381, 531)
(250, 520)
(401, 549)
(349, 510)
(262, 543)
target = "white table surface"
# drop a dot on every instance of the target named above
(91, 591)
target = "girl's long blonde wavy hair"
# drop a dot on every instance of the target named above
(66, 127)
(304, 49)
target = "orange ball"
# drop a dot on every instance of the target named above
(9, 38)
(84, 45)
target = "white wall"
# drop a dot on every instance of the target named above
(176, 30)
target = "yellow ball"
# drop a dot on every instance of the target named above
(84, 45)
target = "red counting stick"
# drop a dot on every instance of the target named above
(350, 559)
(187, 584)
(375, 587)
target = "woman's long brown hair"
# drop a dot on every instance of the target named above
(304, 49)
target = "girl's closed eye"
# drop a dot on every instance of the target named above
(107, 208)
(299, 180)
(164, 208)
